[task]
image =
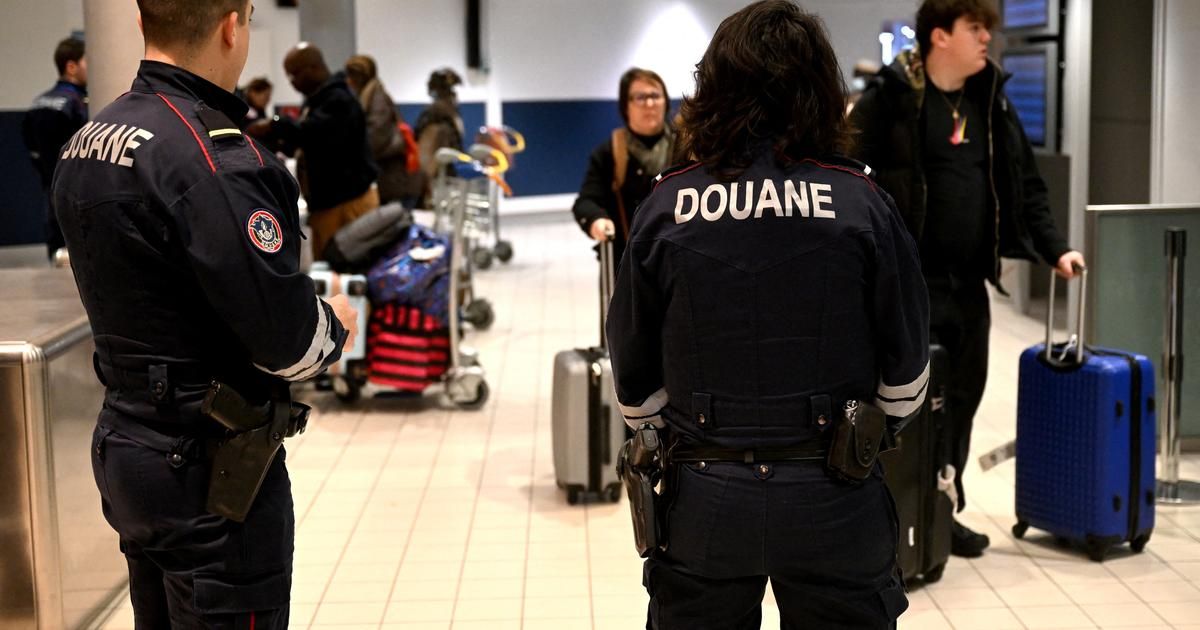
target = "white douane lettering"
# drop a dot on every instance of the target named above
(818, 199)
(77, 139)
(747, 208)
(96, 146)
(112, 148)
(713, 215)
(686, 193)
(131, 143)
(795, 196)
(768, 199)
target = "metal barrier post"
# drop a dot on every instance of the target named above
(1170, 488)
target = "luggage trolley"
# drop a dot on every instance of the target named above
(463, 379)
(458, 202)
(484, 208)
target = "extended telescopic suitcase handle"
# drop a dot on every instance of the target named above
(606, 284)
(1082, 271)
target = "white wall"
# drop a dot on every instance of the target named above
(273, 32)
(1175, 151)
(29, 30)
(577, 49)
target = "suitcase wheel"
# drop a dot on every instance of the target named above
(612, 493)
(935, 574)
(1096, 551)
(1062, 541)
(1138, 544)
(574, 495)
(1019, 529)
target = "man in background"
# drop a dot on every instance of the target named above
(55, 116)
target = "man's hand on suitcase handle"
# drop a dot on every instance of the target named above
(1070, 264)
(347, 315)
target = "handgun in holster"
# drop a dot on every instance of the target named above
(640, 467)
(242, 461)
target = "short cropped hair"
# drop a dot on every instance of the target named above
(769, 74)
(944, 13)
(68, 50)
(627, 80)
(185, 23)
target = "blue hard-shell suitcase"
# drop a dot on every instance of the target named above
(1086, 445)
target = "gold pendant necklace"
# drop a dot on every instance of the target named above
(959, 133)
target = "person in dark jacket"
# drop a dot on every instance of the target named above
(53, 119)
(185, 243)
(764, 289)
(946, 143)
(334, 164)
(388, 146)
(607, 203)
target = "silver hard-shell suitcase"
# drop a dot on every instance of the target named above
(587, 426)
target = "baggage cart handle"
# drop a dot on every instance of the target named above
(1082, 271)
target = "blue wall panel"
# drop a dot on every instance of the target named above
(22, 214)
(473, 115)
(560, 135)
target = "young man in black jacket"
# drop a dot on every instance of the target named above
(946, 143)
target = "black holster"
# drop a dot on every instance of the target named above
(640, 468)
(242, 460)
(857, 438)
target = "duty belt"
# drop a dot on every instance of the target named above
(815, 450)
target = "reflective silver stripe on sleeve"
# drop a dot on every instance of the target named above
(310, 363)
(900, 408)
(653, 404)
(908, 390)
(903, 400)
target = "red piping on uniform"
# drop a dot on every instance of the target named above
(677, 173)
(194, 135)
(841, 168)
(250, 141)
(251, 621)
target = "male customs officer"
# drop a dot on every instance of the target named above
(769, 295)
(185, 245)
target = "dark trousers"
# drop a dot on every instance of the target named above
(960, 321)
(189, 568)
(828, 548)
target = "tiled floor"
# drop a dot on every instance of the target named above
(414, 516)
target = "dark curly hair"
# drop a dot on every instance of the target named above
(769, 75)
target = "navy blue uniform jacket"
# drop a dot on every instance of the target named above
(185, 243)
(746, 310)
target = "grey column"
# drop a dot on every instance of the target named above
(114, 49)
(329, 25)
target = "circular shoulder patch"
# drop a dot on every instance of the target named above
(264, 231)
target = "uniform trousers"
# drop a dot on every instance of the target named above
(188, 568)
(960, 321)
(827, 546)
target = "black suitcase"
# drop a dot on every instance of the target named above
(912, 470)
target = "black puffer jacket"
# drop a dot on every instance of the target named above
(887, 118)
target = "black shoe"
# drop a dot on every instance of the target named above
(966, 543)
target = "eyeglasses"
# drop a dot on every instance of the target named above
(646, 99)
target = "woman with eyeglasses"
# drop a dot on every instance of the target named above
(621, 171)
